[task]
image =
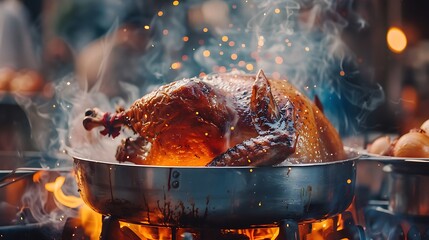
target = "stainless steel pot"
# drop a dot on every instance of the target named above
(407, 183)
(408, 189)
(224, 197)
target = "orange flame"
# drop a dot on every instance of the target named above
(91, 222)
(55, 188)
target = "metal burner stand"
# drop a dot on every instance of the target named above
(289, 230)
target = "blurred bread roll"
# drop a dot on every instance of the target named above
(26, 82)
(6, 76)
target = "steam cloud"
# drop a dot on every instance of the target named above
(297, 40)
(301, 41)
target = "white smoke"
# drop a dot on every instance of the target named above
(298, 40)
(301, 41)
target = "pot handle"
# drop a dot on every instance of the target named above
(23, 172)
(390, 159)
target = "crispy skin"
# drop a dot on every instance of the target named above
(192, 121)
(318, 139)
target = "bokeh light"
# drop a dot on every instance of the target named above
(396, 40)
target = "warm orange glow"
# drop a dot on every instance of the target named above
(205, 29)
(55, 188)
(206, 53)
(144, 232)
(176, 65)
(249, 66)
(342, 73)
(234, 56)
(175, 3)
(320, 229)
(37, 176)
(279, 60)
(185, 38)
(146, 27)
(225, 38)
(396, 40)
(202, 74)
(160, 13)
(91, 222)
(410, 99)
(277, 10)
(258, 233)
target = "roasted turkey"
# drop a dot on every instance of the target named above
(222, 120)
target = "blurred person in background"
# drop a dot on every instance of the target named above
(131, 45)
(16, 46)
(17, 53)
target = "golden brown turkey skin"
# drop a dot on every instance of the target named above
(185, 122)
(192, 121)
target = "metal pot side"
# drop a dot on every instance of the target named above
(226, 197)
(409, 194)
